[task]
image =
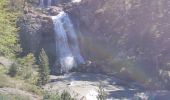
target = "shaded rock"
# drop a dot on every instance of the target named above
(36, 32)
(136, 32)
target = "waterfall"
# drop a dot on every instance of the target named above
(41, 3)
(49, 3)
(67, 43)
(74, 41)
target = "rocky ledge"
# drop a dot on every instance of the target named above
(84, 86)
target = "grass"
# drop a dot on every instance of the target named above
(5, 81)
(13, 97)
(56, 96)
(31, 88)
(2, 69)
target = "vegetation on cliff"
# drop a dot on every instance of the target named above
(22, 74)
(8, 31)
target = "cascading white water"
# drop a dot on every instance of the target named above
(41, 3)
(73, 39)
(69, 53)
(49, 3)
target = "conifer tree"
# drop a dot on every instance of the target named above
(43, 68)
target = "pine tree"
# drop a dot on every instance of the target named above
(43, 68)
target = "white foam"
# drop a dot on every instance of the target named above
(76, 1)
(92, 95)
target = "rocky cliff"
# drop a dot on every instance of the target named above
(129, 36)
(119, 36)
(36, 32)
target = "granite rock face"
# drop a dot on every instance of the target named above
(36, 32)
(128, 37)
(125, 35)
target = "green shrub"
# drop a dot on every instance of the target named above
(55, 96)
(101, 93)
(51, 96)
(31, 88)
(66, 96)
(13, 70)
(28, 69)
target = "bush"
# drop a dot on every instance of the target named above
(28, 69)
(55, 96)
(32, 88)
(13, 70)
(102, 94)
(66, 96)
(51, 96)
